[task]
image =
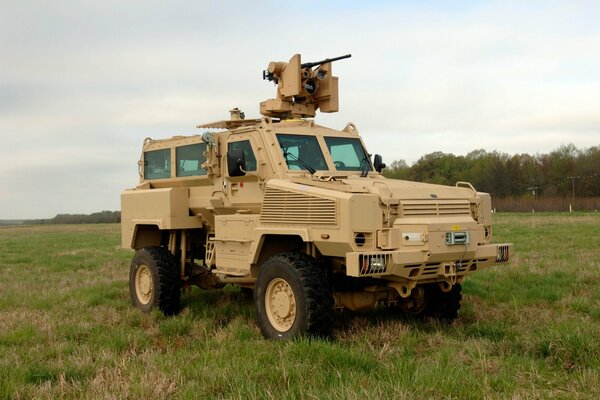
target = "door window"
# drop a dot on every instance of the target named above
(190, 159)
(245, 146)
(157, 164)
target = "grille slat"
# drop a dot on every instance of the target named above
(430, 270)
(435, 207)
(282, 206)
(374, 263)
(503, 253)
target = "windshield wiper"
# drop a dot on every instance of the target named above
(365, 171)
(301, 162)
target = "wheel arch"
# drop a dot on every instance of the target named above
(146, 235)
(270, 244)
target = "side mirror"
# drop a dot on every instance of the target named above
(236, 162)
(378, 163)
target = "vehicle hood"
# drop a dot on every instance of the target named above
(391, 190)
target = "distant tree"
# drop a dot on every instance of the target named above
(397, 170)
(103, 217)
(501, 174)
(587, 168)
(558, 166)
(440, 168)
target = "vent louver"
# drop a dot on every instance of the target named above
(281, 206)
(435, 207)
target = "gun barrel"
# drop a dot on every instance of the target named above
(325, 61)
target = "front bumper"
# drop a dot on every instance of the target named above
(422, 266)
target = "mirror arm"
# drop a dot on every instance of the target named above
(252, 173)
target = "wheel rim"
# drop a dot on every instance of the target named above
(280, 304)
(144, 284)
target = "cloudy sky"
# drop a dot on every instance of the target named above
(82, 83)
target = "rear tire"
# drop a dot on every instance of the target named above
(154, 281)
(293, 297)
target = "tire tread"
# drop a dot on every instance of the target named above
(318, 292)
(168, 295)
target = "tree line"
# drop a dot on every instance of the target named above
(102, 217)
(566, 171)
(520, 182)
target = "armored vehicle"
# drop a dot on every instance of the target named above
(300, 214)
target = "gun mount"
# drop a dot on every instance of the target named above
(301, 90)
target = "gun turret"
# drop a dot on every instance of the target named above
(301, 90)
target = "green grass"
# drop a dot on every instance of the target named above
(530, 329)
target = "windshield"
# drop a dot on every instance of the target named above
(348, 154)
(301, 152)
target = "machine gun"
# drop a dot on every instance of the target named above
(301, 90)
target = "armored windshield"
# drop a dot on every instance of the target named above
(301, 152)
(348, 154)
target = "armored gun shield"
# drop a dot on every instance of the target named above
(301, 88)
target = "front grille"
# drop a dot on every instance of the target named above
(374, 263)
(464, 265)
(210, 250)
(435, 207)
(429, 269)
(282, 206)
(503, 253)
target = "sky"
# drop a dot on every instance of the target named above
(82, 83)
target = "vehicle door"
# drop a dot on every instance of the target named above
(244, 190)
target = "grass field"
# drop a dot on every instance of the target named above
(527, 330)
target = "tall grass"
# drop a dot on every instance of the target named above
(527, 330)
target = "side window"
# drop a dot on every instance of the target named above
(245, 146)
(157, 164)
(190, 159)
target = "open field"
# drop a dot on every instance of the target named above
(527, 330)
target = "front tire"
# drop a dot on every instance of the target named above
(293, 297)
(154, 281)
(443, 305)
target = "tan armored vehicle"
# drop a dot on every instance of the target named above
(299, 213)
